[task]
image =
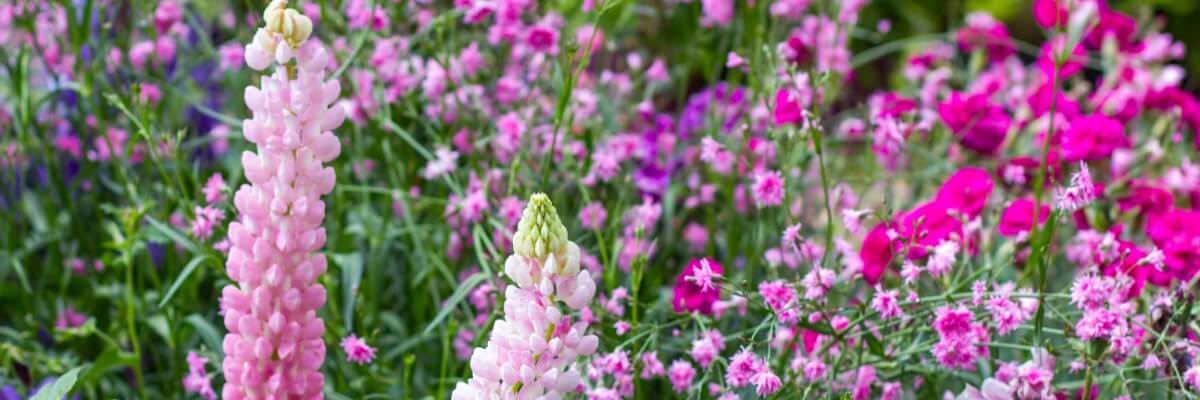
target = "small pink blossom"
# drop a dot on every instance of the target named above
(681, 374)
(357, 350)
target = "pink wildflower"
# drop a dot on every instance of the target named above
(357, 350)
(768, 188)
(681, 374)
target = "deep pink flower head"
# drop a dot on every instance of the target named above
(1018, 217)
(926, 226)
(1039, 101)
(1149, 200)
(1177, 234)
(876, 253)
(967, 191)
(979, 125)
(983, 32)
(543, 38)
(1051, 13)
(787, 107)
(1115, 25)
(1093, 137)
(690, 296)
(1050, 51)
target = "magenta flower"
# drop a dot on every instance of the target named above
(787, 107)
(357, 350)
(691, 292)
(1093, 137)
(967, 191)
(1017, 218)
(876, 253)
(979, 125)
(983, 32)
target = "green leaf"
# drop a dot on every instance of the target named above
(352, 270)
(454, 299)
(112, 358)
(875, 345)
(183, 275)
(159, 324)
(175, 236)
(20, 270)
(206, 332)
(61, 387)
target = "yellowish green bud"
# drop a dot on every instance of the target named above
(540, 232)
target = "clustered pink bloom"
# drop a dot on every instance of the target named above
(768, 188)
(357, 350)
(962, 340)
(214, 188)
(197, 379)
(275, 346)
(69, 318)
(681, 374)
(707, 347)
(532, 351)
(1080, 193)
(206, 219)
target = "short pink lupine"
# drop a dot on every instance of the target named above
(274, 348)
(532, 351)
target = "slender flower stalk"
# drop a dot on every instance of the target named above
(274, 348)
(532, 350)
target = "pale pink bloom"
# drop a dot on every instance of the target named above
(1079, 194)
(69, 318)
(704, 276)
(621, 327)
(651, 366)
(816, 282)
(696, 236)
(733, 60)
(768, 188)
(743, 366)
(213, 188)
(766, 383)
(444, 162)
(275, 336)
(681, 374)
(777, 294)
(717, 12)
(592, 216)
(886, 303)
(815, 370)
(839, 322)
(197, 380)
(943, 257)
(357, 350)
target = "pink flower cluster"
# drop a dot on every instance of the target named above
(274, 347)
(532, 351)
(197, 379)
(933, 231)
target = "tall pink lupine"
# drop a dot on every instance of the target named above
(532, 351)
(274, 348)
